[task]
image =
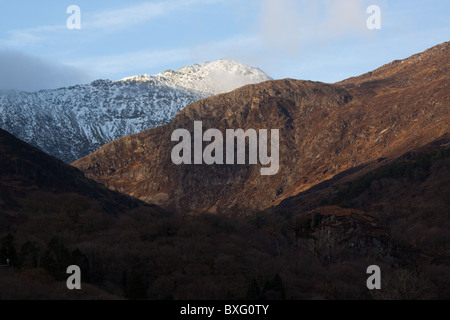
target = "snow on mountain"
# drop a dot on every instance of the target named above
(72, 122)
(210, 78)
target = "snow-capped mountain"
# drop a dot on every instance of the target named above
(210, 78)
(72, 122)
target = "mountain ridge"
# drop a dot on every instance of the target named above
(72, 122)
(325, 129)
(209, 78)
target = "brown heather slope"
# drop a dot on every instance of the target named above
(325, 129)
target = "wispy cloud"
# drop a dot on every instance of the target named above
(281, 23)
(141, 13)
(344, 17)
(287, 26)
(24, 37)
(107, 20)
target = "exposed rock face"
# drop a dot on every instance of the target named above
(396, 210)
(325, 129)
(336, 234)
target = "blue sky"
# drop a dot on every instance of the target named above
(323, 40)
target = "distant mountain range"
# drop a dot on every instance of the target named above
(72, 122)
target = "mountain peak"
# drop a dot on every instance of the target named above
(209, 78)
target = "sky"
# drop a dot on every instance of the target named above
(322, 40)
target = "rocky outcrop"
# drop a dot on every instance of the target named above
(336, 234)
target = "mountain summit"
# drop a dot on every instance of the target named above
(210, 78)
(72, 122)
